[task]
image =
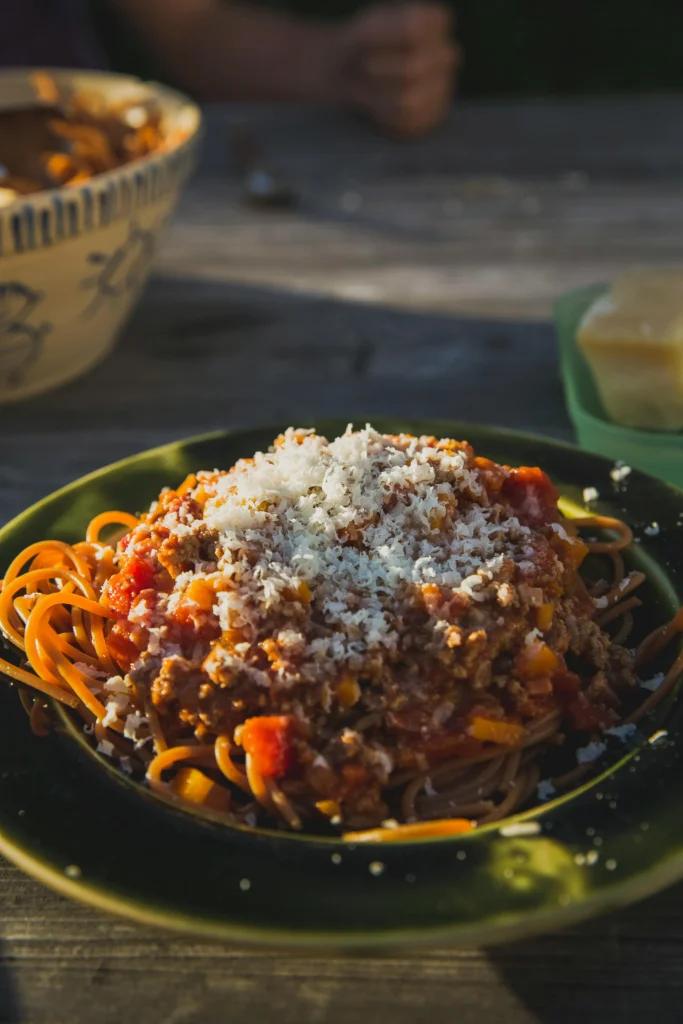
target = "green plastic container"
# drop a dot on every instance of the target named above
(654, 452)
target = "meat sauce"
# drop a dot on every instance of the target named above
(502, 665)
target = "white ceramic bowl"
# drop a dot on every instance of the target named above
(74, 260)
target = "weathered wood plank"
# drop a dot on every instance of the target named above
(495, 214)
(200, 355)
(68, 962)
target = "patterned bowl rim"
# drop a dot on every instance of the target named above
(149, 176)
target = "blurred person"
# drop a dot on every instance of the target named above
(395, 62)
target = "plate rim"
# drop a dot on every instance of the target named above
(514, 925)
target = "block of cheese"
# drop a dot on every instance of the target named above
(632, 339)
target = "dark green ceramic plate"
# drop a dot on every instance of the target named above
(90, 833)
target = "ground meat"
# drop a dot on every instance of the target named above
(182, 553)
(410, 606)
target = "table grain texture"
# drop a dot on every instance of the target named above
(412, 278)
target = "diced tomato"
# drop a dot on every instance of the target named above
(540, 686)
(188, 625)
(587, 717)
(122, 649)
(126, 541)
(136, 575)
(268, 741)
(141, 571)
(120, 592)
(532, 496)
(493, 475)
(566, 682)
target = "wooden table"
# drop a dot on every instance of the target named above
(412, 278)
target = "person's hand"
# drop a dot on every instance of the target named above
(398, 63)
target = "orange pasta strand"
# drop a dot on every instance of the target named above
(50, 610)
(92, 534)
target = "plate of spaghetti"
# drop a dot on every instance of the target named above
(346, 684)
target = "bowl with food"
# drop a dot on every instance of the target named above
(350, 685)
(91, 167)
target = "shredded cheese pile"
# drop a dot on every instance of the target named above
(345, 530)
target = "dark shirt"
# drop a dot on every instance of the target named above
(48, 33)
(512, 47)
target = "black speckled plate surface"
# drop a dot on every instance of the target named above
(83, 829)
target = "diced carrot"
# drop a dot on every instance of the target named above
(188, 483)
(348, 691)
(197, 788)
(233, 636)
(571, 550)
(508, 734)
(200, 495)
(432, 597)
(437, 518)
(329, 808)
(544, 617)
(415, 830)
(301, 592)
(202, 594)
(536, 659)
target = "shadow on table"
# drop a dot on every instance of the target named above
(200, 354)
(626, 968)
(9, 1003)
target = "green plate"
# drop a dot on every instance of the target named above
(657, 452)
(85, 830)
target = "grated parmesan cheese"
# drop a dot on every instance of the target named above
(622, 732)
(591, 752)
(620, 472)
(654, 683)
(520, 828)
(545, 790)
(291, 518)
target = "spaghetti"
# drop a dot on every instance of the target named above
(384, 633)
